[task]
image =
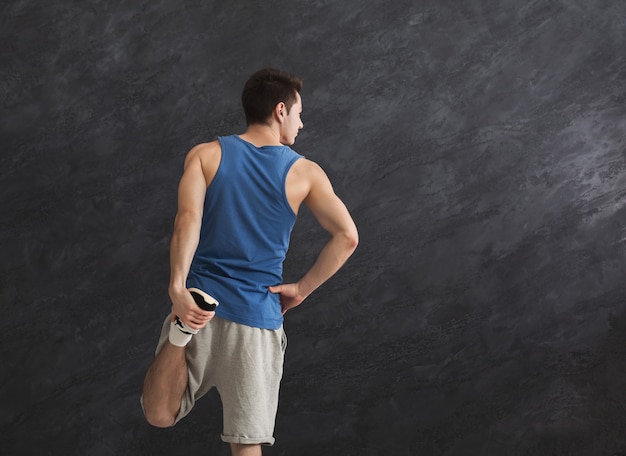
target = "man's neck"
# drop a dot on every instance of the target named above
(261, 135)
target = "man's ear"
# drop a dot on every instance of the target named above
(280, 111)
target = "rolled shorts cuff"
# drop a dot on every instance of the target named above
(266, 441)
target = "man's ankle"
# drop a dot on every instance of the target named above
(180, 333)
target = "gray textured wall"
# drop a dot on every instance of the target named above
(480, 146)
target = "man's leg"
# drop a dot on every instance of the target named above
(248, 384)
(245, 450)
(164, 386)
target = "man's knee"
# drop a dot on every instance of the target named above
(157, 416)
(161, 419)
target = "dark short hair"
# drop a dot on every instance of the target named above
(264, 90)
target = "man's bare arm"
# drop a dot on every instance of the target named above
(334, 217)
(186, 235)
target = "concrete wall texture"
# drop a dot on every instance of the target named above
(480, 146)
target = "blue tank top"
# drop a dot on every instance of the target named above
(246, 226)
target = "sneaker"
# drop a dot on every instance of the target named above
(204, 300)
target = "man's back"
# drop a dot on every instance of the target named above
(246, 224)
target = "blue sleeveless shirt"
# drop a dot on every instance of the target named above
(246, 226)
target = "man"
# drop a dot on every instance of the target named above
(237, 202)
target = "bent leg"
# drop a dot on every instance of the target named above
(164, 386)
(245, 450)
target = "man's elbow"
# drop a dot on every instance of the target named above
(351, 239)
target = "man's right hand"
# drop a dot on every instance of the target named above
(185, 308)
(290, 296)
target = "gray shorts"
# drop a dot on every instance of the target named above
(245, 364)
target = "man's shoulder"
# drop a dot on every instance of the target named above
(205, 151)
(306, 166)
(206, 148)
(306, 174)
(205, 156)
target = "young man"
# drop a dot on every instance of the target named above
(237, 202)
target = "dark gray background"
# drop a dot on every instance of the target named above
(480, 146)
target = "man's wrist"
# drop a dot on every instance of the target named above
(176, 288)
(302, 291)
